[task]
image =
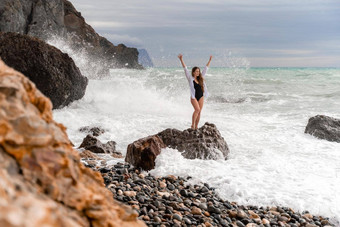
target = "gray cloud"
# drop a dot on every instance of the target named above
(268, 33)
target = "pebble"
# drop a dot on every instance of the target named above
(203, 206)
(177, 217)
(206, 213)
(162, 184)
(241, 214)
(146, 218)
(157, 219)
(239, 224)
(166, 194)
(253, 215)
(183, 192)
(251, 225)
(265, 221)
(196, 210)
(171, 201)
(130, 193)
(187, 221)
(213, 209)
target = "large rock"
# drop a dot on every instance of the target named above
(94, 145)
(43, 182)
(53, 72)
(324, 127)
(143, 152)
(56, 19)
(203, 143)
(94, 131)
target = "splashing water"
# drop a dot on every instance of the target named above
(261, 113)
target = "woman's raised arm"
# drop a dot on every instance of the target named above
(180, 56)
(208, 64)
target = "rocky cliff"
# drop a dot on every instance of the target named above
(42, 181)
(144, 58)
(59, 19)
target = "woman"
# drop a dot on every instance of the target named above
(198, 89)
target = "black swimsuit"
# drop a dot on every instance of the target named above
(198, 91)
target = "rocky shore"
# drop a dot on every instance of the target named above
(172, 201)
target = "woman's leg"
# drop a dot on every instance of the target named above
(200, 103)
(196, 112)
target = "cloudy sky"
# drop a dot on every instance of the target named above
(258, 33)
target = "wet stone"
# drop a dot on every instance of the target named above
(187, 221)
(177, 217)
(240, 224)
(187, 202)
(203, 206)
(212, 209)
(177, 203)
(157, 219)
(171, 187)
(183, 192)
(191, 194)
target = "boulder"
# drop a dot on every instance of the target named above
(94, 131)
(59, 20)
(203, 143)
(94, 145)
(143, 152)
(53, 72)
(43, 182)
(324, 127)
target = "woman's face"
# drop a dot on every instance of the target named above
(197, 72)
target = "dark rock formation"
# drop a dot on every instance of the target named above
(203, 143)
(92, 144)
(58, 18)
(94, 131)
(43, 182)
(324, 127)
(53, 72)
(143, 152)
(144, 58)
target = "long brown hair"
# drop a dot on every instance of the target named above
(199, 78)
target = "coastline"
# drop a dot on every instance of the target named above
(173, 201)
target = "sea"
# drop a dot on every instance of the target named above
(260, 112)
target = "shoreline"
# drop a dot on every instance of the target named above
(173, 201)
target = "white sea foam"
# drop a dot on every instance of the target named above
(272, 161)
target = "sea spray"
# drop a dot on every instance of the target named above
(90, 65)
(272, 161)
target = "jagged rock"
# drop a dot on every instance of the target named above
(143, 152)
(43, 182)
(53, 72)
(94, 131)
(93, 144)
(203, 143)
(324, 127)
(58, 19)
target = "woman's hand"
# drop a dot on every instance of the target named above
(180, 56)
